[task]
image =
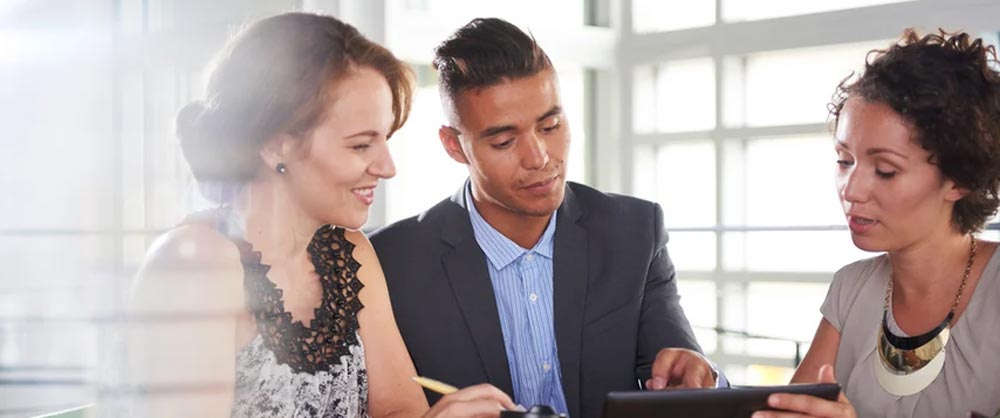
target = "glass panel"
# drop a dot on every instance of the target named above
(758, 375)
(573, 95)
(737, 10)
(159, 189)
(790, 251)
(699, 303)
(52, 288)
(992, 230)
(692, 251)
(787, 312)
(644, 99)
(768, 375)
(794, 86)
(789, 181)
(676, 96)
(685, 92)
(665, 15)
(682, 180)
(437, 19)
(425, 174)
(56, 164)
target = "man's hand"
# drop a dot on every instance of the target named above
(681, 368)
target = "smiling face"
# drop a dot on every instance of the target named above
(334, 171)
(514, 139)
(891, 193)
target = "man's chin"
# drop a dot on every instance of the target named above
(540, 209)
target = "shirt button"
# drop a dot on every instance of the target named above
(529, 257)
(546, 367)
(533, 297)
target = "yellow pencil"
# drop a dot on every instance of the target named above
(431, 384)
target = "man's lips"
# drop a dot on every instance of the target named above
(542, 183)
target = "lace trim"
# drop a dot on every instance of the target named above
(332, 331)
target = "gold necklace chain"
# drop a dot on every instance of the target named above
(961, 287)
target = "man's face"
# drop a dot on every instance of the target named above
(514, 138)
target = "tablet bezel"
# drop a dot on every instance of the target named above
(708, 403)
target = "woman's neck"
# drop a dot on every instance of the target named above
(273, 223)
(931, 266)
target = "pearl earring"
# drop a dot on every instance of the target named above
(281, 168)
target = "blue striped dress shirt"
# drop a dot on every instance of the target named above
(522, 283)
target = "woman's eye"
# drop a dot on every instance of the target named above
(885, 174)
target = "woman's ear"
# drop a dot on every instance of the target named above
(277, 150)
(953, 193)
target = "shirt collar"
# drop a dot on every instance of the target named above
(499, 249)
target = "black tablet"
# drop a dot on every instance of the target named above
(739, 402)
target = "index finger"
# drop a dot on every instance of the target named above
(662, 366)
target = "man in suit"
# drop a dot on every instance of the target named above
(554, 292)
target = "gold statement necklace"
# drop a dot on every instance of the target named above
(906, 365)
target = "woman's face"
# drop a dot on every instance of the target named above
(892, 195)
(336, 168)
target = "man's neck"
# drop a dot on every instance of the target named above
(524, 230)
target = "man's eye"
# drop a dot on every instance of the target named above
(503, 144)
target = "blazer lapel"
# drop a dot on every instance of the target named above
(465, 266)
(569, 282)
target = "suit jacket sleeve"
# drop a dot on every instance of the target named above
(662, 323)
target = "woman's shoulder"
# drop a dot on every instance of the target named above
(861, 270)
(370, 269)
(191, 244)
(362, 245)
(192, 266)
(850, 281)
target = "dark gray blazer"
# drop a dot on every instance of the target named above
(616, 303)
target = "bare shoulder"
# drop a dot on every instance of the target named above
(370, 273)
(190, 267)
(364, 252)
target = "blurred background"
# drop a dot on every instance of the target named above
(716, 109)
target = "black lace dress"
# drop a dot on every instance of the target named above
(293, 370)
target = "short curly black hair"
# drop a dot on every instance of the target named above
(943, 85)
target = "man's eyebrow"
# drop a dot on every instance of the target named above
(496, 130)
(555, 110)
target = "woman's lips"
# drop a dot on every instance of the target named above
(860, 225)
(365, 194)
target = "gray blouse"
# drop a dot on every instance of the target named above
(970, 379)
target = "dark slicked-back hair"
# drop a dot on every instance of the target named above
(486, 52)
(944, 86)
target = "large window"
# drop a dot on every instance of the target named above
(728, 132)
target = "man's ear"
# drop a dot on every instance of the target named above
(452, 145)
(278, 150)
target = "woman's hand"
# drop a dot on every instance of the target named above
(803, 406)
(480, 401)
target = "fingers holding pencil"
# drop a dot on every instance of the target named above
(479, 401)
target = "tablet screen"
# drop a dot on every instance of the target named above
(737, 402)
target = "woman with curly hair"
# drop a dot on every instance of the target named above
(913, 332)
